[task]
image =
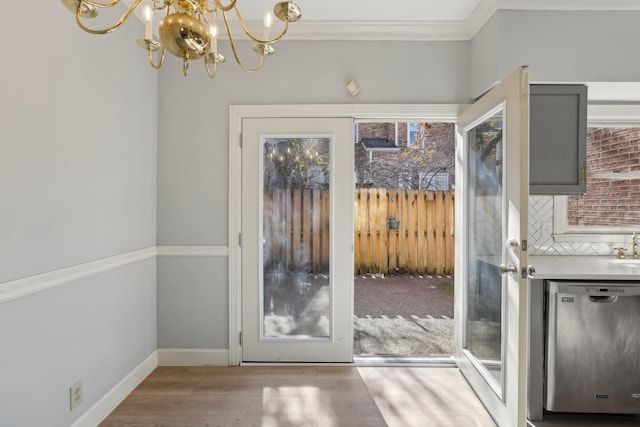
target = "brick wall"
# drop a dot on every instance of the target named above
(609, 202)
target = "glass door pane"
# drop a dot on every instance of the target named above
(483, 338)
(296, 237)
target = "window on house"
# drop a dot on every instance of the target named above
(413, 132)
(435, 181)
(404, 181)
(611, 205)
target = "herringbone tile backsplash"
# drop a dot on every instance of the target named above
(541, 229)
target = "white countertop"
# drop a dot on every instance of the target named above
(585, 267)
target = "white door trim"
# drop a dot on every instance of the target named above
(431, 112)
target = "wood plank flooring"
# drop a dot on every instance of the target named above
(319, 396)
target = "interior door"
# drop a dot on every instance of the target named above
(491, 224)
(297, 240)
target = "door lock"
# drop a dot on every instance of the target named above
(511, 269)
(531, 271)
(528, 272)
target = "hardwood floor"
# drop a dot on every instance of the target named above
(301, 396)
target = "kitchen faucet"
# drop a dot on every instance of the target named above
(634, 248)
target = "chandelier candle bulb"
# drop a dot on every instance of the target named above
(213, 33)
(267, 21)
(148, 22)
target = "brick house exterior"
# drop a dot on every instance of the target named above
(385, 159)
(609, 202)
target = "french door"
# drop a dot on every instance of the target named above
(492, 174)
(297, 233)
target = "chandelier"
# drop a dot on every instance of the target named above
(189, 30)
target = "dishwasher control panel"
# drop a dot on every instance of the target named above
(604, 289)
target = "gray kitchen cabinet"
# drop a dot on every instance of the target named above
(557, 139)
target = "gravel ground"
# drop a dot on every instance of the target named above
(403, 316)
(403, 337)
(404, 296)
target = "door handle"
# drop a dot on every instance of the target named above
(512, 244)
(511, 269)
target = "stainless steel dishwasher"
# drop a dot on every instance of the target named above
(593, 347)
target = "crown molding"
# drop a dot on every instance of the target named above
(378, 31)
(427, 30)
(569, 5)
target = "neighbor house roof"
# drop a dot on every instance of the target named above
(379, 144)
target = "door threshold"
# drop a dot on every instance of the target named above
(361, 362)
(447, 362)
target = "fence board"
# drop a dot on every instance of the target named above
(366, 230)
(382, 231)
(288, 226)
(440, 248)
(268, 223)
(450, 230)
(431, 233)
(373, 228)
(421, 207)
(315, 229)
(305, 237)
(403, 259)
(360, 231)
(413, 233)
(393, 234)
(325, 208)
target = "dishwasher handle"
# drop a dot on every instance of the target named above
(602, 298)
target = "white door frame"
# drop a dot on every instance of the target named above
(372, 112)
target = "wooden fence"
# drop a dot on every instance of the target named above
(424, 241)
(296, 230)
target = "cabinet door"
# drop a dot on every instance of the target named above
(558, 139)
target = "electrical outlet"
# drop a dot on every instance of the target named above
(75, 394)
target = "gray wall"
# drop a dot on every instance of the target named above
(78, 127)
(193, 302)
(558, 47)
(193, 149)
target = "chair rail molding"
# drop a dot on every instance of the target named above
(214, 251)
(29, 285)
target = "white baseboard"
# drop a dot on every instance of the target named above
(103, 407)
(192, 357)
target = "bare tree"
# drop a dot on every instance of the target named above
(417, 166)
(295, 163)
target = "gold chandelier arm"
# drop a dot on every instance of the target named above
(212, 69)
(165, 4)
(114, 26)
(226, 7)
(150, 57)
(101, 4)
(235, 53)
(246, 30)
(285, 28)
